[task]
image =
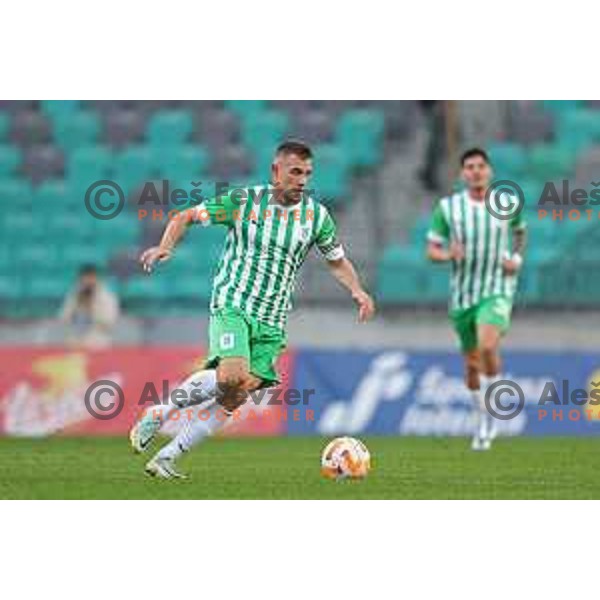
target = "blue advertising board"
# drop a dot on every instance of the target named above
(393, 392)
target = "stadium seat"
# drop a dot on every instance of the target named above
(121, 231)
(360, 132)
(6, 259)
(51, 193)
(36, 255)
(144, 288)
(11, 288)
(14, 192)
(89, 164)
(60, 109)
(133, 166)
(47, 287)
(582, 123)
(401, 276)
(265, 130)
(548, 162)
(4, 126)
(182, 163)
(79, 129)
(331, 175)
(195, 288)
(509, 160)
(437, 283)
(246, 109)
(170, 128)
(10, 159)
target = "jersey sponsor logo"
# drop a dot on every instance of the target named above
(227, 341)
(305, 233)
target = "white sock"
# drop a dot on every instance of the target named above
(481, 413)
(486, 382)
(199, 388)
(193, 430)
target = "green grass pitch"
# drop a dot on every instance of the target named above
(105, 468)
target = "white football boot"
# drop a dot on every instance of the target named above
(163, 468)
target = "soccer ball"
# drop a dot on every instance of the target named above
(345, 457)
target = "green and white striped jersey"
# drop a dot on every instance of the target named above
(265, 246)
(486, 241)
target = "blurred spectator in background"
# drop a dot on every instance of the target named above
(433, 113)
(90, 311)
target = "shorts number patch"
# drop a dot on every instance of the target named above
(227, 341)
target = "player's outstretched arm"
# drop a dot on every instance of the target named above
(343, 270)
(173, 233)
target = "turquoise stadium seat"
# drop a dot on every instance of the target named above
(360, 132)
(48, 287)
(194, 288)
(332, 172)
(401, 276)
(4, 126)
(183, 163)
(60, 109)
(509, 160)
(548, 162)
(246, 109)
(74, 255)
(89, 164)
(437, 283)
(418, 232)
(144, 288)
(134, 166)
(170, 128)
(10, 159)
(583, 124)
(123, 231)
(77, 129)
(51, 195)
(15, 192)
(37, 255)
(265, 130)
(11, 287)
(561, 106)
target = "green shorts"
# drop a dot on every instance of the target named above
(233, 333)
(491, 311)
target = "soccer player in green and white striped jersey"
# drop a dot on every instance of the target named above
(477, 243)
(271, 228)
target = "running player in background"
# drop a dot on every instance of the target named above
(269, 234)
(484, 277)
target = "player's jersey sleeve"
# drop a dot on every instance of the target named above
(221, 210)
(439, 230)
(326, 236)
(519, 222)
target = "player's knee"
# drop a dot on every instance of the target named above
(232, 376)
(488, 351)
